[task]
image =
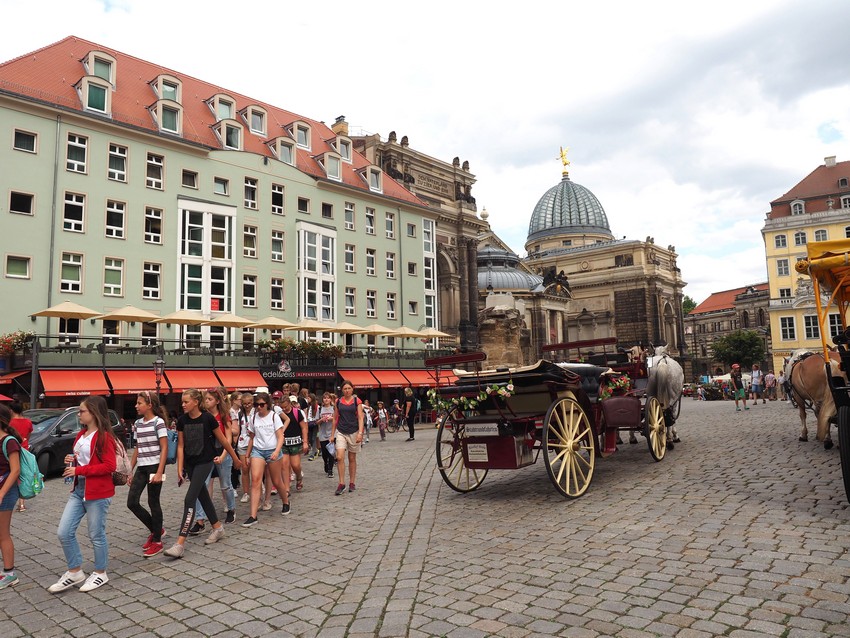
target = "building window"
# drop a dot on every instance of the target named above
(411, 268)
(25, 141)
(311, 303)
(69, 330)
(411, 230)
(249, 291)
(821, 235)
(117, 163)
(113, 277)
(810, 327)
(249, 241)
(110, 333)
(375, 182)
(74, 212)
(190, 179)
(256, 119)
(797, 208)
(192, 277)
(231, 136)
(370, 221)
(845, 202)
(115, 219)
(102, 69)
(316, 283)
(349, 216)
(169, 119)
(277, 245)
(327, 255)
(277, 199)
(284, 150)
(800, 238)
(780, 241)
(784, 293)
(390, 265)
(428, 236)
(412, 308)
(327, 300)
(170, 91)
(277, 294)
(786, 327)
(327, 210)
(370, 261)
(782, 267)
(96, 96)
(834, 324)
(153, 226)
(344, 148)
(349, 258)
(428, 273)
(302, 136)
(371, 300)
(151, 282)
(17, 267)
(304, 205)
(155, 171)
(223, 109)
(350, 302)
(390, 305)
(72, 273)
(21, 203)
(847, 231)
(390, 225)
(221, 186)
(251, 193)
(76, 158)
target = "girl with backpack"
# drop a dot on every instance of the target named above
(91, 467)
(10, 470)
(149, 459)
(348, 434)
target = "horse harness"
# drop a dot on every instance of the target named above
(807, 403)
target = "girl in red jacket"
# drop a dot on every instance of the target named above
(91, 466)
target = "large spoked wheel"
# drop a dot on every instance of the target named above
(844, 446)
(392, 426)
(656, 429)
(570, 452)
(450, 461)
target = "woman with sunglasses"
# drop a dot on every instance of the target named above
(265, 432)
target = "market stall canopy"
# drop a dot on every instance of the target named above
(67, 310)
(229, 321)
(183, 318)
(128, 313)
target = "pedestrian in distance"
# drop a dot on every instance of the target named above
(327, 418)
(409, 411)
(90, 469)
(196, 432)
(383, 418)
(149, 458)
(246, 411)
(756, 384)
(348, 435)
(313, 412)
(736, 382)
(294, 443)
(10, 471)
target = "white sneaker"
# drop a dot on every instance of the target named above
(68, 579)
(94, 581)
(266, 507)
(244, 498)
(216, 534)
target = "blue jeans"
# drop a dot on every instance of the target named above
(75, 509)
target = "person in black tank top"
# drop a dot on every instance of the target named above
(348, 434)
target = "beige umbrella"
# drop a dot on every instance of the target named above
(404, 332)
(376, 329)
(229, 321)
(312, 325)
(183, 318)
(433, 333)
(67, 310)
(272, 323)
(345, 328)
(128, 313)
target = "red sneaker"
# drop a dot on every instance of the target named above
(152, 550)
(150, 539)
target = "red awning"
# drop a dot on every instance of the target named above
(391, 378)
(133, 381)
(3, 397)
(180, 380)
(69, 383)
(360, 378)
(446, 377)
(420, 378)
(241, 379)
(7, 378)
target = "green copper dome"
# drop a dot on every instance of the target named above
(568, 209)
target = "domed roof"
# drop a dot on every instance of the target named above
(499, 268)
(568, 209)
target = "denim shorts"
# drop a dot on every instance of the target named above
(10, 500)
(266, 455)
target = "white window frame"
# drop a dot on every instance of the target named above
(333, 166)
(278, 245)
(115, 207)
(374, 177)
(251, 189)
(389, 224)
(23, 133)
(780, 241)
(412, 308)
(278, 190)
(306, 210)
(221, 186)
(113, 265)
(785, 293)
(349, 215)
(151, 270)
(798, 207)
(845, 202)
(193, 179)
(782, 268)
(411, 230)
(834, 324)
(800, 238)
(821, 234)
(811, 327)
(391, 298)
(75, 261)
(371, 304)
(301, 132)
(120, 153)
(78, 142)
(152, 217)
(276, 294)
(20, 194)
(370, 221)
(349, 258)
(787, 329)
(27, 261)
(344, 148)
(250, 112)
(350, 301)
(155, 164)
(371, 257)
(249, 291)
(249, 241)
(70, 224)
(390, 262)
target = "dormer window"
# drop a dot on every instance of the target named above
(283, 149)
(374, 177)
(222, 106)
(100, 65)
(301, 133)
(95, 94)
(230, 134)
(842, 183)
(798, 208)
(255, 118)
(168, 116)
(103, 69)
(343, 146)
(333, 166)
(167, 87)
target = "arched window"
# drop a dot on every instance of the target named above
(745, 319)
(800, 238)
(797, 208)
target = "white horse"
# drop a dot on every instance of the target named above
(666, 380)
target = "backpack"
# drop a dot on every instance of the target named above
(123, 466)
(171, 455)
(31, 481)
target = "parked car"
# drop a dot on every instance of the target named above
(53, 434)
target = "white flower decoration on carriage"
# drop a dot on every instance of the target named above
(469, 403)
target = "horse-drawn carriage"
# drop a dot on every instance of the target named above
(828, 265)
(570, 412)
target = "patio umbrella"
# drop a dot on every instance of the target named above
(128, 313)
(67, 310)
(345, 328)
(376, 329)
(432, 333)
(183, 318)
(272, 323)
(230, 321)
(404, 332)
(312, 325)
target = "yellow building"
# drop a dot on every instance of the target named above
(816, 209)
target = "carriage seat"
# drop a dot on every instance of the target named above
(590, 376)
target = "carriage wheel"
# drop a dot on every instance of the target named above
(656, 429)
(450, 461)
(570, 451)
(844, 446)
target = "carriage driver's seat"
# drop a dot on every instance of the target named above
(590, 377)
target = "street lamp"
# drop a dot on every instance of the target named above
(158, 369)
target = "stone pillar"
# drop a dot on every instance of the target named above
(472, 285)
(463, 285)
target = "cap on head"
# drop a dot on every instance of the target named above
(395, 400)
(277, 394)
(293, 398)
(735, 365)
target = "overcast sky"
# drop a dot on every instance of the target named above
(684, 119)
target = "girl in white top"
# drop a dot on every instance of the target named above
(265, 430)
(326, 426)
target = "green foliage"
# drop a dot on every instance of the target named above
(293, 348)
(742, 346)
(688, 304)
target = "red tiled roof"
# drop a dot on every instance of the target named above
(49, 75)
(724, 300)
(820, 182)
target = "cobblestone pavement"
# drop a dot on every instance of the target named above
(741, 531)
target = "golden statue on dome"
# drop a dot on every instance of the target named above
(565, 161)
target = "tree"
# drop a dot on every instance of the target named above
(742, 346)
(688, 304)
